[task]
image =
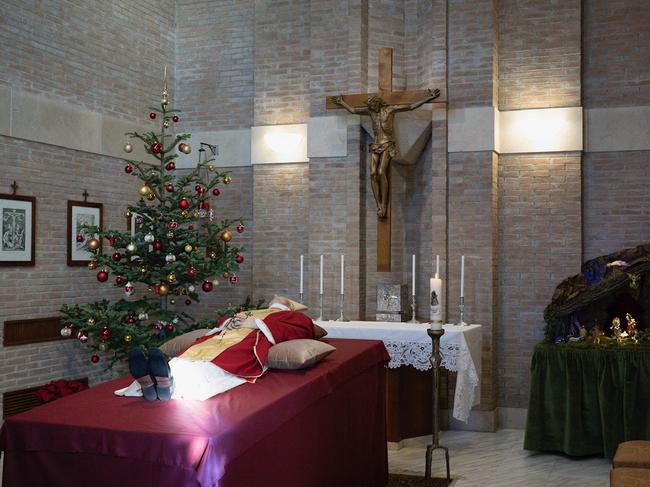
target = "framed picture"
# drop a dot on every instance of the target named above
(80, 216)
(17, 230)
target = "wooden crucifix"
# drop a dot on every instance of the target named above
(381, 107)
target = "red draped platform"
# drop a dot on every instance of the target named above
(325, 426)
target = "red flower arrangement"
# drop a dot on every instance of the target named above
(59, 388)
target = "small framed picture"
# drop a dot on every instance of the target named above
(17, 230)
(82, 215)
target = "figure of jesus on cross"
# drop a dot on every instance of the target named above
(383, 149)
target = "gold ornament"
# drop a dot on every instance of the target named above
(166, 124)
(127, 338)
(188, 248)
(170, 235)
(127, 213)
(151, 196)
(128, 147)
(143, 270)
(195, 213)
(226, 236)
(91, 321)
(186, 149)
(211, 168)
(144, 190)
(172, 301)
(163, 290)
(225, 275)
(227, 180)
(92, 265)
(102, 347)
(93, 244)
(131, 247)
(184, 214)
(171, 278)
(213, 255)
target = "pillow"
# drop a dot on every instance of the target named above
(180, 343)
(319, 332)
(297, 354)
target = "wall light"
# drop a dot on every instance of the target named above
(541, 130)
(279, 144)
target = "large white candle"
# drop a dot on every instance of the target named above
(321, 273)
(437, 266)
(302, 263)
(435, 300)
(342, 273)
(462, 276)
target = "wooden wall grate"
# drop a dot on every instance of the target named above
(14, 402)
(23, 332)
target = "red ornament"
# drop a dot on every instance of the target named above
(169, 327)
(116, 257)
(155, 148)
(105, 334)
(170, 166)
(80, 238)
(181, 146)
(207, 286)
(240, 228)
(234, 279)
(169, 187)
(156, 288)
(158, 326)
(102, 276)
(191, 272)
(94, 359)
(190, 227)
(198, 188)
(239, 259)
(184, 204)
(172, 225)
(188, 302)
(216, 192)
(128, 169)
(175, 119)
(130, 320)
(82, 337)
(152, 115)
(119, 280)
(70, 326)
(205, 205)
(112, 240)
(157, 245)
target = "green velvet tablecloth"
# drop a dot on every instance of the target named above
(585, 401)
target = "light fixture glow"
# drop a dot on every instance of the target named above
(279, 144)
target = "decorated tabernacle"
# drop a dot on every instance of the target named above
(590, 379)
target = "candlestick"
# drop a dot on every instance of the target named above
(302, 261)
(435, 299)
(321, 274)
(342, 301)
(436, 362)
(461, 306)
(437, 266)
(462, 276)
(320, 316)
(342, 273)
(301, 297)
(413, 276)
(413, 320)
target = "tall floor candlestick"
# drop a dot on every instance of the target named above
(320, 316)
(461, 306)
(436, 361)
(342, 302)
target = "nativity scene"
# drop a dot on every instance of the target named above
(382, 244)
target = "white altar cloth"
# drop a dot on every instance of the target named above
(409, 344)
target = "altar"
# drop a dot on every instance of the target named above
(409, 344)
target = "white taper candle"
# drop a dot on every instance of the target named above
(302, 263)
(462, 276)
(437, 266)
(413, 276)
(342, 273)
(321, 273)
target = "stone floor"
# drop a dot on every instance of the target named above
(498, 459)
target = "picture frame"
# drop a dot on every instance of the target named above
(17, 230)
(80, 213)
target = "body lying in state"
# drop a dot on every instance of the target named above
(227, 356)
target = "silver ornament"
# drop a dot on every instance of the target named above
(128, 147)
(169, 258)
(149, 238)
(190, 288)
(215, 282)
(66, 332)
(143, 316)
(131, 247)
(129, 289)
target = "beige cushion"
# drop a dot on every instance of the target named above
(180, 343)
(319, 332)
(297, 354)
(629, 477)
(634, 454)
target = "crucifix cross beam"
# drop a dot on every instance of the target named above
(382, 106)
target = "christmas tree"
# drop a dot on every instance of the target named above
(174, 250)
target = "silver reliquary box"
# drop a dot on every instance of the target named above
(392, 302)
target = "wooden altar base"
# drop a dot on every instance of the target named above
(409, 402)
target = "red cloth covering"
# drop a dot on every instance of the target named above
(247, 358)
(319, 427)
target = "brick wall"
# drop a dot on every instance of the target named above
(214, 63)
(107, 57)
(539, 54)
(39, 291)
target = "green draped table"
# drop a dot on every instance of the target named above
(585, 400)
